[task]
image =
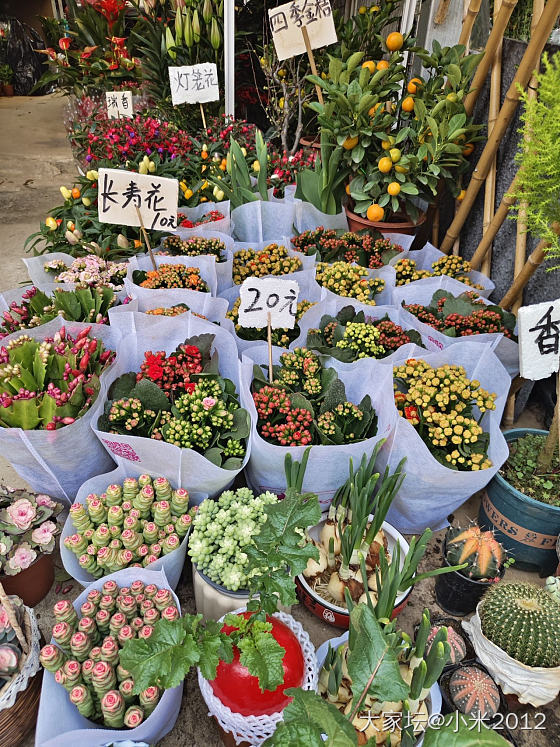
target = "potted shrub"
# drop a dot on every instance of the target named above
(6, 77)
(485, 561)
(27, 539)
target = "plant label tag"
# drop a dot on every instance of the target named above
(121, 192)
(119, 104)
(263, 296)
(539, 340)
(194, 84)
(287, 21)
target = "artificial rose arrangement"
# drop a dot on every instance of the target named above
(439, 403)
(194, 247)
(182, 400)
(350, 281)
(368, 248)
(171, 276)
(10, 649)
(306, 404)
(272, 260)
(36, 308)
(130, 524)
(50, 383)
(85, 656)
(90, 271)
(280, 337)
(451, 265)
(351, 335)
(27, 529)
(463, 315)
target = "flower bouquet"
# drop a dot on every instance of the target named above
(83, 272)
(369, 249)
(353, 281)
(200, 244)
(272, 259)
(208, 216)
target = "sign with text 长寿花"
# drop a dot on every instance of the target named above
(539, 340)
(121, 193)
(194, 84)
(119, 104)
(287, 21)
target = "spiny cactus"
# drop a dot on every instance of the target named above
(474, 692)
(481, 550)
(524, 621)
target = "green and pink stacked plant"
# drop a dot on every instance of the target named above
(27, 529)
(50, 383)
(10, 650)
(85, 655)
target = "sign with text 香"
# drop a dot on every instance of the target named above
(263, 296)
(119, 104)
(120, 193)
(287, 21)
(539, 340)
(194, 84)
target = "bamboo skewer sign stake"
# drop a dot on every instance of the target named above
(146, 239)
(312, 62)
(524, 72)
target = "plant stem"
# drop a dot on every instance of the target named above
(544, 460)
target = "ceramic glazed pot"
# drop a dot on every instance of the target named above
(33, 583)
(401, 224)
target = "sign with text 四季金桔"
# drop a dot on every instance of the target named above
(119, 104)
(120, 193)
(194, 84)
(287, 21)
(263, 296)
(539, 340)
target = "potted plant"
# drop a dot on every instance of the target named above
(6, 77)
(459, 592)
(27, 539)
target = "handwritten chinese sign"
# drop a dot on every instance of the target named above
(263, 296)
(121, 192)
(119, 104)
(539, 340)
(286, 23)
(194, 84)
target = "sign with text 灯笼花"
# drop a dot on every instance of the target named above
(194, 84)
(287, 21)
(260, 297)
(539, 339)
(120, 193)
(119, 104)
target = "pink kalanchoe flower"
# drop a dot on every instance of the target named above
(22, 557)
(208, 402)
(21, 513)
(43, 535)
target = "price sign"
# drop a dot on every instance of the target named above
(124, 196)
(194, 84)
(119, 104)
(539, 340)
(268, 298)
(287, 21)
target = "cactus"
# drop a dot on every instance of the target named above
(474, 692)
(481, 550)
(524, 621)
(458, 647)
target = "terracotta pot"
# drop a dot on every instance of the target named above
(401, 224)
(32, 584)
(8, 89)
(306, 142)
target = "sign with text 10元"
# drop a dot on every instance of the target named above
(120, 193)
(194, 84)
(287, 21)
(261, 297)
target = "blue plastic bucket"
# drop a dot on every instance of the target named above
(528, 529)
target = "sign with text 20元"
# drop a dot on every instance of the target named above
(121, 192)
(263, 296)
(286, 23)
(194, 84)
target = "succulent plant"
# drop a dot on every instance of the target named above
(524, 621)
(457, 645)
(480, 549)
(10, 656)
(552, 586)
(10, 652)
(474, 692)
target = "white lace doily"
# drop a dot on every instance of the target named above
(31, 665)
(257, 729)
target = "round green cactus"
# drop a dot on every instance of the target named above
(524, 621)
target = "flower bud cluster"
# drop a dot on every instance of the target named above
(172, 276)
(350, 281)
(194, 247)
(280, 337)
(272, 260)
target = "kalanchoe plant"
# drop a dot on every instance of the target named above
(350, 281)
(171, 276)
(351, 335)
(452, 266)
(134, 523)
(194, 247)
(181, 399)
(439, 403)
(176, 310)
(11, 654)
(90, 271)
(306, 404)
(27, 529)
(272, 260)
(463, 315)
(367, 248)
(280, 337)
(36, 308)
(50, 383)
(209, 217)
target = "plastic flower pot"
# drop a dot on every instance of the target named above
(307, 142)
(213, 600)
(401, 224)
(333, 613)
(528, 529)
(456, 593)
(33, 583)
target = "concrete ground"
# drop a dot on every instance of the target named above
(35, 160)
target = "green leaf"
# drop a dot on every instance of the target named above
(309, 708)
(122, 386)
(263, 656)
(296, 734)
(150, 395)
(456, 733)
(213, 649)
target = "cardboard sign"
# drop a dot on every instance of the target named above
(194, 84)
(119, 104)
(121, 192)
(539, 338)
(286, 22)
(263, 296)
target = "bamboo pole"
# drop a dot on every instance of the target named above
(495, 224)
(435, 227)
(522, 77)
(494, 42)
(468, 21)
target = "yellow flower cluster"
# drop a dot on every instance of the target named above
(350, 281)
(272, 260)
(452, 266)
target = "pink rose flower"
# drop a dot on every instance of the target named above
(43, 535)
(208, 402)
(45, 500)
(22, 557)
(21, 513)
